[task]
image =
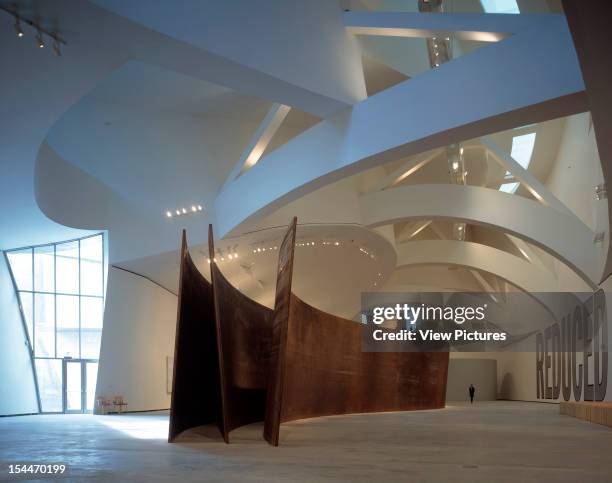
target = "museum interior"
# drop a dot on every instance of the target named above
(201, 199)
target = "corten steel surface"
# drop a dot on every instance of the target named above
(326, 372)
(223, 425)
(237, 362)
(244, 339)
(196, 397)
(278, 338)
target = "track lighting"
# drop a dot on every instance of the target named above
(182, 211)
(41, 32)
(18, 29)
(39, 40)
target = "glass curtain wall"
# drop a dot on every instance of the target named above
(61, 290)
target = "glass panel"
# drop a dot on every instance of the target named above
(500, 6)
(91, 266)
(67, 267)
(73, 386)
(92, 377)
(90, 343)
(44, 328)
(522, 148)
(92, 311)
(49, 372)
(67, 326)
(28, 312)
(21, 266)
(44, 273)
(509, 187)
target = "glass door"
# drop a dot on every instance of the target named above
(79, 385)
(73, 386)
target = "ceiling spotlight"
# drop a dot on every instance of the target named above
(230, 256)
(178, 212)
(235, 255)
(169, 214)
(56, 48)
(455, 165)
(39, 40)
(184, 211)
(336, 243)
(199, 207)
(193, 208)
(208, 260)
(18, 30)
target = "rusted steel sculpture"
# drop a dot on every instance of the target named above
(196, 395)
(279, 365)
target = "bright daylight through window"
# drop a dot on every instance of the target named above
(61, 290)
(522, 151)
(500, 6)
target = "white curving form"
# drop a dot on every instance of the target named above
(562, 235)
(528, 277)
(529, 77)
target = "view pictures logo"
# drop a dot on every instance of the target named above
(414, 313)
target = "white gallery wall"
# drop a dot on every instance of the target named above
(573, 179)
(17, 386)
(137, 340)
(463, 371)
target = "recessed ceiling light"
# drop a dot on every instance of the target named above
(169, 214)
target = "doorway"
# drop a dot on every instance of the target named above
(79, 376)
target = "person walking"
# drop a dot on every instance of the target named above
(472, 391)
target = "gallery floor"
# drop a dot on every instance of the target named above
(489, 441)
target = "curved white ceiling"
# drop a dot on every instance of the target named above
(562, 235)
(169, 84)
(471, 96)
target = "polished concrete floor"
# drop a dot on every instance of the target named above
(488, 442)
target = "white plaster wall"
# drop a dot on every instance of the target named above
(576, 172)
(138, 336)
(315, 51)
(465, 371)
(17, 387)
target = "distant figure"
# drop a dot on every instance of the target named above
(472, 390)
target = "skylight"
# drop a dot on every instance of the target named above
(500, 6)
(509, 187)
(522, 148)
